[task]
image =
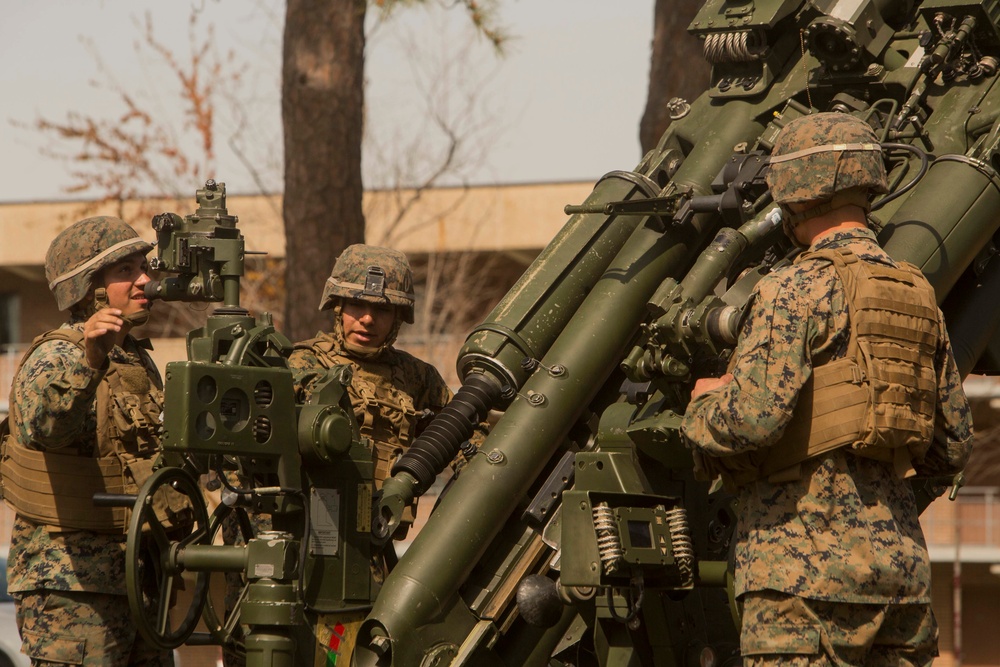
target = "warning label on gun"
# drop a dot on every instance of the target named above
(324, 519)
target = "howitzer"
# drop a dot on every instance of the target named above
(578, 534)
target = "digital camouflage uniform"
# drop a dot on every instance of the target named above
(70, 584)
(831, 563)
(394, 394)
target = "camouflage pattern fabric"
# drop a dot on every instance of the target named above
(390, 391)
(846, 528)
(782, 629)
(819, 155)
(83, 249)
(51, 570)
(55, 392)
(393, 372)
(89, 629)
(350, 279)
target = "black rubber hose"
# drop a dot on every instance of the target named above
(435, 448)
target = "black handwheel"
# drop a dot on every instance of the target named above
(151, 558)
(225, 630)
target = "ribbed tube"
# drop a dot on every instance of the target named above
(439, 443)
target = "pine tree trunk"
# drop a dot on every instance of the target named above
(322, 105)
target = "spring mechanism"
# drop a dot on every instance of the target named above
(262, 429)
(263, 394)
(733, 47)
(680, 539)
(609, 544)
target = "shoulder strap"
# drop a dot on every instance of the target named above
(838, 256)
(325, 349)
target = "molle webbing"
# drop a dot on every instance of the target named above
(880, 398)
(384, 413)
(56, 489)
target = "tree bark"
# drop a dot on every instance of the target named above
(677, 67)
(322, 106)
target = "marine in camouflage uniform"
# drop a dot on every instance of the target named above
(831, 563)
(85, 400)
(394, 394)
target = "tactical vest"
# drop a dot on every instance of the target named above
(880, 398)
(384, 413)
(56, 487)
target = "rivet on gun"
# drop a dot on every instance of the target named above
(495, 456)
(535, 398)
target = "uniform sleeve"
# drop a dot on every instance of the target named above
(770, 365)
(55, 393)
(305, 368)
(952, 442)
(434, 391)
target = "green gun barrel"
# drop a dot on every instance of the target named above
(588, 348)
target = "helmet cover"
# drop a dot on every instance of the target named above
(820, 155)
(374, 274)
(81, 250)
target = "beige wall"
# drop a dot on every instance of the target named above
(495, 218)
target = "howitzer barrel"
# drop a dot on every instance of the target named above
(942, 227)
(973, 317)
(732, 125)
(543, 300)
(588, 348)
(945, 222)
(538, 307)
(522, 326)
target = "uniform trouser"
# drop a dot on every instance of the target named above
(79, 628)
(784, 629)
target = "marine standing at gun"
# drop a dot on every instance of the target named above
(394, 394)
(85, 418)
(842, 382)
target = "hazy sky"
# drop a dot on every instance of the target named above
(563, 104)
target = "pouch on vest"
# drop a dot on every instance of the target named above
(4, 432)
(56, 489)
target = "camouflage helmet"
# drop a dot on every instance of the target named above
(820, 155)
(374, 274)
(83, 249)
